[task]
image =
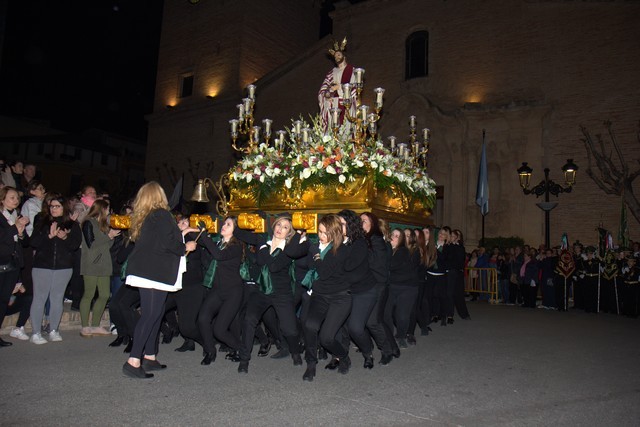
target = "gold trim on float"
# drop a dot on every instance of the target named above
(251, 221)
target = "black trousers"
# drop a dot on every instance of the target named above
(387, 327)
(8, 282)
(362, 328)
(400, 302)
(75, 288)
(455, 282)
(145, 336)
(218, 310)
(421, 312)
(327, 314)
(22, 305)
(188, 302)
(301, 299)
(258, 304)
(122, 310)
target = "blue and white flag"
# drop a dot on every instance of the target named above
(482, 191)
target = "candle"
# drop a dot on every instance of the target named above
(372, 126)
(364, 110)
(412, 122)
(247, 106)
(346, 90)
(256, 133)
(406, 154)
(335, 112)
(402, 149)
(234, 126)
(392, 142)
(305, 135)
(267, 127)
(416, 148)
(425, 134)
(251, 90)
(359, 73)
(280, 139)
(240, 111)
(371, 118)
(297, 125)
(379, 93)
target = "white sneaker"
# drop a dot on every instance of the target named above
(114, 330)
(38, 339)
(54, 336)
(19, 333)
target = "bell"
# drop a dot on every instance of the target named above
(200, 192)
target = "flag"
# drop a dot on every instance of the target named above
(176, 196)
(482, 191)
(623, 232)
(602, 241)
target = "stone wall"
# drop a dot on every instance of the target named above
(529, 72)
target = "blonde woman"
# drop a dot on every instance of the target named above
(155, 266)
(95, 266)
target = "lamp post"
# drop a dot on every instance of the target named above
(546, 187)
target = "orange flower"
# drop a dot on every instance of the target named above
(326, 162)
(339, 156)
(352, 154)
(320, 148)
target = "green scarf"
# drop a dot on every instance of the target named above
(211, 271)
(312, 274)
(264, 279)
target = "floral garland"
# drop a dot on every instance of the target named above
(329, 161)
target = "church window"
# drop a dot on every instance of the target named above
(417, 55)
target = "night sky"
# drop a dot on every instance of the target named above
(81, 64)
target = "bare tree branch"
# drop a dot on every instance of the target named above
(611, 177)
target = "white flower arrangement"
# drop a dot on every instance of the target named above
(328, 160)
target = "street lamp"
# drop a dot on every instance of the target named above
(547, 187)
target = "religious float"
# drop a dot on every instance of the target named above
(333, 161)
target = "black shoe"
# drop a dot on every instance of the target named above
(345, 364)
(264, 349)
(187, 345)
(281, 354)
(297, 359)
(233, 356)
(435, 319)
(4, 343)
(335, 362)
(368, 361)
(450, 320)
(402, 343)
(322, 354)
(411, 339)
(243, 367)
(396, 353)
(117, 342)
(129, 346)
(385, 360)
(132, 372)
(208, 358)
(152, 365)
(310, 373)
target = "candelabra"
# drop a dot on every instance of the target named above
(413, 151)
(243, 127)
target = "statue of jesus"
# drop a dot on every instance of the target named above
(330, 94)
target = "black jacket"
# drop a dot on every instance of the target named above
(55, 254)
(10, 249)
(156, 254)
(358, 273)
(404, 267)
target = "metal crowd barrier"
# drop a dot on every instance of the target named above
(482, 281)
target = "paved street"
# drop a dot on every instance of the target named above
(508, 366)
